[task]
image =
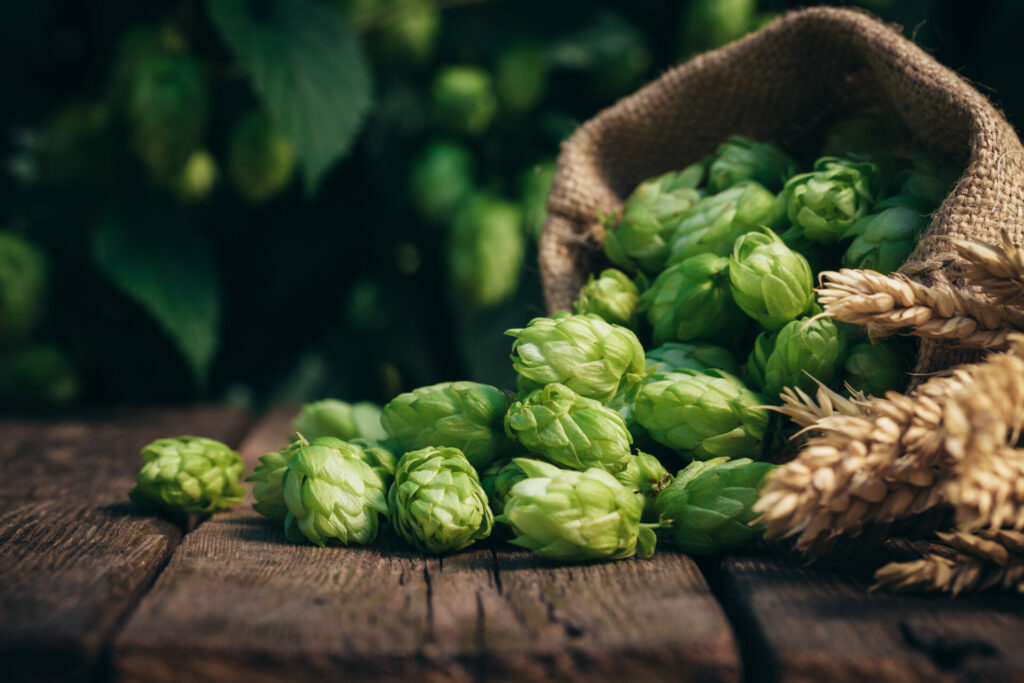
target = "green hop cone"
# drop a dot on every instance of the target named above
(22, 288)
(436, 502)
(590, 356)
(572, 516)
(637, 239)
(332, 495)
(611, 295)
(802, 351)
(189, 475)
(647, 477)
(710, 505)
(464, 99)
(497, 481)
(714, 223)
(569, 429)
(520, 76)
(261, 160)
(691, 300)
(345, 421)
(708, 24)
(674, 356)
(37, 374)
(465, 415)
(168, 110)
(268, 481)
(197, 177)
(534, 188)
(380, 458)
(826, 202)
(703, 416)
(771, 283)
(930, 180)
(875, 369)
(741, 159)
(486, 248)
(884, 239)
(398, 31)
(442, 176)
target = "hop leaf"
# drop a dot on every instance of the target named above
(22, 288)
(709, 505)
(569, 429)
(465, 415)
(345, 421)
(741, 159)
(826, 202)
(612, 295)
(332, 495)
(802, 351)
(189, 475)
(574, 516)
(436, 502)
(590, 356)
(703, 416)
(768, 280)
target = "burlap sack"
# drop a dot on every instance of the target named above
(786, 83)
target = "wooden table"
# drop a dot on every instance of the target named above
(94, 588)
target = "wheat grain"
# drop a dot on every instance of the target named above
(995, 269)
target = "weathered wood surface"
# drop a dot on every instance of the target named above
(75, 555)
(819, 623)
(237, 602)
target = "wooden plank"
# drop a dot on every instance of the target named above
(237, 602)
(819, 623)
(75, 554)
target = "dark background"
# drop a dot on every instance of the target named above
(336, 283)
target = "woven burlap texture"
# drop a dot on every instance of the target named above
(785, 83)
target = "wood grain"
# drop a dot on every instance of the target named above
(237, 602)
(75, 554)
(819, 623)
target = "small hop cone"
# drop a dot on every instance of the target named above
(345, 421)
(436, 502)
(569, 429)
(611, 295)
(875, 369)
(826, 202)
(647, 477)
(741, 159)
(676, 356)
(883, 240)
(189, 475)
(485, 250)
(268, 481)
(572, 516)
(497, 481)
(771, 283)
(801, 352)
(464, 99)
(22, 288)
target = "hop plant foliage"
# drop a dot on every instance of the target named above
(345, 421)
(332, 495)
(573, 516)
(611, 295)
(769, 281)
(709, 505)
(569, 429)
(594, 358)
(465, 415)
(486, 249)
(189, 475)
(436, 502)
(23, 275)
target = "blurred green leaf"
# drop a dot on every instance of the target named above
(307, 66)
(168, 268)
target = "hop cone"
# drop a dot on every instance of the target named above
(691, 300)
(520, 76)
(590, 356)
(37, 374)
(768, 280)
(464, 100)
(408, 35)
(715, 222)
(436, 502)
(380, 458)
(827, 201)
(332, 495)
(646, 476)
(930, 180)
(802, 351)
(261, 160)
(189, 475)
(883, 240)
(674, 356)
(485, 250)
(168, 110)
(442, 176)
(710, 505)
(331, 417)
(22, 287)
(534, 188)
(875, 369)
(703, 416)
(268, 481)
(498, 479)
(569, 429)
(197, 177)
(612, 295)
(465, 415)
(573, 516)
(741, 159)
(638, 239)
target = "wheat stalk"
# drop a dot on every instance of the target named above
(805, 410)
